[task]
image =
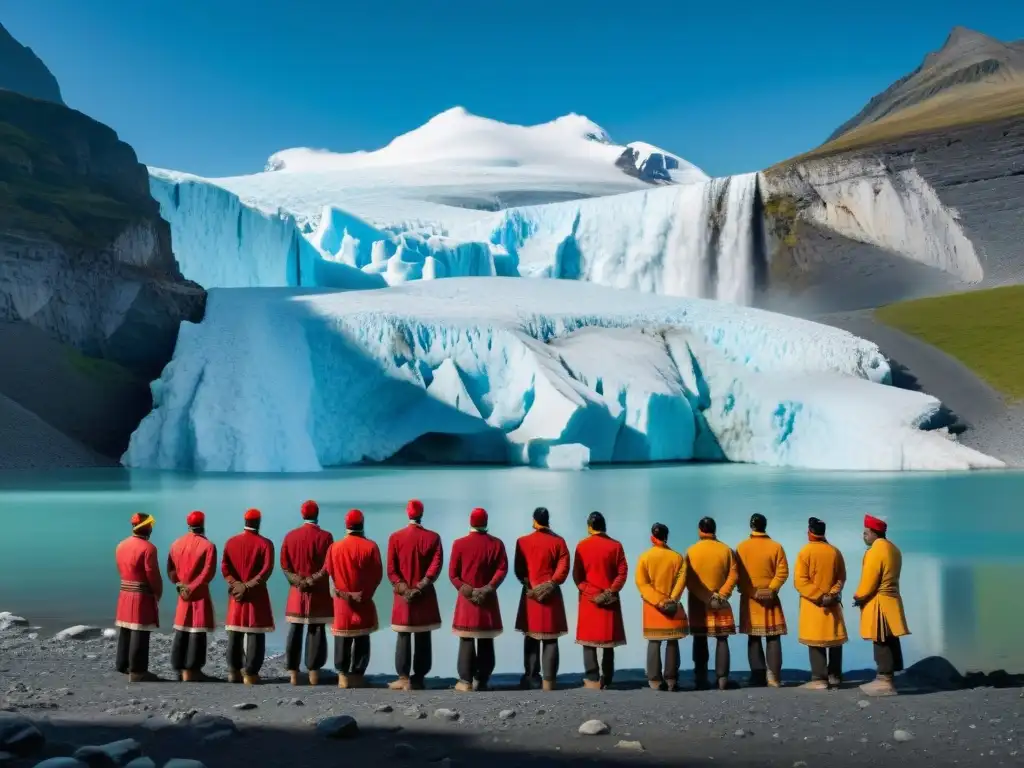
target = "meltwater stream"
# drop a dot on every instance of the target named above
(962, 537)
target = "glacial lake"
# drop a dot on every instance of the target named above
(962, 536)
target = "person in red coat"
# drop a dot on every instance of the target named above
(542, 565)
(355, 566)
(477, 568)
(191, 565)
(247, 564)
(304, 563)
(599, 570)
(415, 559)
(141, 588)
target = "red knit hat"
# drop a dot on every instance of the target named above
(195, 519)
(353, 520)
(414, 509)
(310, 510)
(478, 518)
(141, 521)
(253, 516)
(874, 524)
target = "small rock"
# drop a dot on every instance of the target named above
(383, 709)
(416, 713)
(338, 727)
(78, 632)
(181, 715)
(244, 705)
(863, 704)
(635, 746)
(114, 753)
(180, 762)
(506, 714)
(404, 751)
(901, 735)
(19, 735)
(109, 633)
(141, 762)
(62, 762)
(33, 635)
(291, 702)
(9, 621)
(797, 764)
(740, 733)
(594, 728)
(446, 714)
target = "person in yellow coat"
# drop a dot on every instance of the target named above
(661, 577)
(763, 569)
(819, 578)
(882, 620)
(711, 577)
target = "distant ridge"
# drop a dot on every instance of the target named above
(23, 72)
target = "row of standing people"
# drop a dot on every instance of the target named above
(333, 583)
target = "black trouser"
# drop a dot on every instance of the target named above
(826, 662)
(418, 662)
(352, 654)
(316, 646)
(889, 656)
(534, 659)
(476, 659)
(132, 651)
(592, 671)
(188, 651)
(701, 656)
(246, 651)
(759, 664)
(654, 669)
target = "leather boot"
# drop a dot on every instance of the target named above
(880, 686)
(357, 681)
(548, 685)
(592, 685)
(463, 687)
(142, 677)
(671, 685)
(251, 679)
(234, 676)
(401, 684)
(186, 676)
(293, 677)
(773, 681)
(655, 685)
(314, 677)
(723, 683)
(417, 684)
(835, 681)
(700, 679)
(815, 685)
(343, 680)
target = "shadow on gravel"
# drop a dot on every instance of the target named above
(257, 746)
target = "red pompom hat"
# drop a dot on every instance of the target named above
(310, 510)
(874, 524)
(478, 518)
(414, 509)
(141, 521)
(253, 516)
(195, 519)
(354, 520)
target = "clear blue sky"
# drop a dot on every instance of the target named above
(215, 86)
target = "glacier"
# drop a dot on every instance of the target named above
(557, 374)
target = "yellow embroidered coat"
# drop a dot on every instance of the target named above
(710, 569)
(661, 576)
(882, 615)
(762, 565)
(820, 571)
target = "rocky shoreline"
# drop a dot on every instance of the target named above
(62, 705)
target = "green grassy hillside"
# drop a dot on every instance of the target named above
(982, 329)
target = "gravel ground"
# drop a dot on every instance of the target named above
(69, 690)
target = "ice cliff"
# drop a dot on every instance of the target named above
(546, 373)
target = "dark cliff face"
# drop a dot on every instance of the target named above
(23, 72)
(85, 261)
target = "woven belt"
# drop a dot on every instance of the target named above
(136, 586)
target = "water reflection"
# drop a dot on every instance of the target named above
(56, 553)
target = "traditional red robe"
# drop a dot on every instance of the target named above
(478, 560)
(249, 556)
(540, 557)
(141, 585)
(600, 565)
(355, 566)
(192, 562)
(415, 554)
(304, 553)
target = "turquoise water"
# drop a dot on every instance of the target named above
(962, 537)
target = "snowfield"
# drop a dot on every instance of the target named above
(548, 373)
